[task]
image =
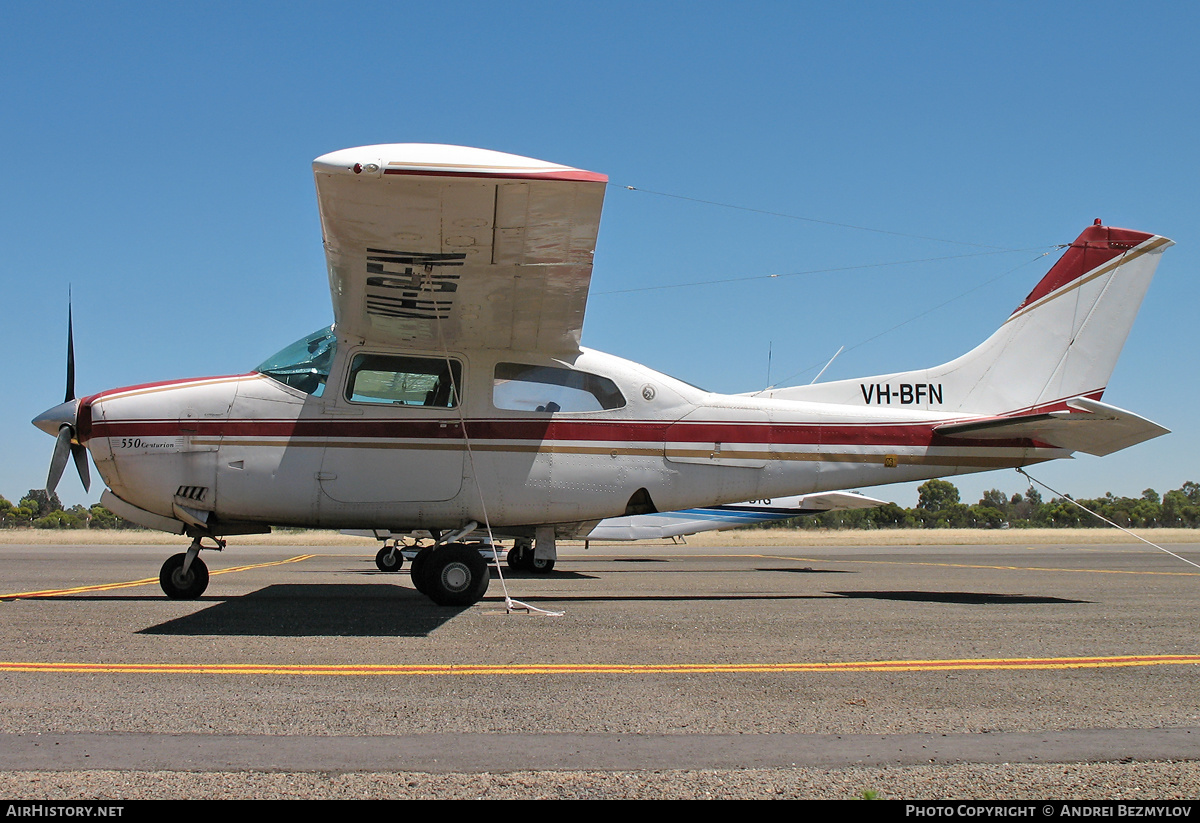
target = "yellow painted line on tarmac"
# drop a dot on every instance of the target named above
(129, 584)
(986, 664)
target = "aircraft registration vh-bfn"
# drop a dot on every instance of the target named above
(451, 389)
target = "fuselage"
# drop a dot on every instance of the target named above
(372, 438)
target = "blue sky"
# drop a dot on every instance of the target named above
(157, 159)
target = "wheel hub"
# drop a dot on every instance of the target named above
(456, 577)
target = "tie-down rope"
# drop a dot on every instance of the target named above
(1105, 519)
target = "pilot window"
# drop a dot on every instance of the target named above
(304, 365)
(404, 381)
(521, 387)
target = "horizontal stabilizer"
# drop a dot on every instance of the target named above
(1092, 428)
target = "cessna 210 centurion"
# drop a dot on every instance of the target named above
(451, 390)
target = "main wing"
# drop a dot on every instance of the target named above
(433, 246)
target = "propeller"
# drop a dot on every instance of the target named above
(62, 420)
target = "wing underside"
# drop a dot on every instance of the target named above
(441, 246)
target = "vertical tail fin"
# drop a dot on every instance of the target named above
(1061, 342)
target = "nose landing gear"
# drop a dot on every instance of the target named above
(184, 576)
(389, 558)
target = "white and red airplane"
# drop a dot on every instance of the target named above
(451, 390)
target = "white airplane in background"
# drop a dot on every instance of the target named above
(654, 526)
(658, 526)
(451, 390)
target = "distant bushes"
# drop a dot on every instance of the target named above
(40, 510)
(938, 507)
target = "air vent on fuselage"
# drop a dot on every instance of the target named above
(640, 503)
(193, 493)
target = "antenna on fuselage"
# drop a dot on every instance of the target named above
(770, 345)
(827, 365)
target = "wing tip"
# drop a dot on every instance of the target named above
(438, 160)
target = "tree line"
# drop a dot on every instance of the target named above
(40, 509)
(938, 507)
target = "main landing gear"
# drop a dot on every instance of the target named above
(521, 558)
(184, 576)
(452, 574)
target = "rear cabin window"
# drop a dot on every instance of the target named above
(521, 387)
(404, 381)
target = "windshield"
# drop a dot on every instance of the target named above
(305, 364)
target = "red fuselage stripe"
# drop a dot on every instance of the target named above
(553, 431)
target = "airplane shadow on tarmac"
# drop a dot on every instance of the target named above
(341, 610)
(965, 598)
(326, 609)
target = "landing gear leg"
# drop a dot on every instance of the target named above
(545, 551)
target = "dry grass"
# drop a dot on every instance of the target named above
(748, 537)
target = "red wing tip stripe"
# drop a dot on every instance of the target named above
(571, 175)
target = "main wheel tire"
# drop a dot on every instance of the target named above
(389, 559)
(416, 569)
(540, 565)
(456, 575)
(179, 586)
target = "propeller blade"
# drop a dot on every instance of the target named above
(64, 417)
(70, 353)
(81, 465)
(58, 462)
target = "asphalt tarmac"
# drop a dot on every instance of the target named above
(666, 671)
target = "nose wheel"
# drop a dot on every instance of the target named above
(184, 576)
(389, 559)
(180, 583)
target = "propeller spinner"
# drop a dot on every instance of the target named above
(61, 422)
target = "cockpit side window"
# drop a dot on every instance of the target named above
(522, 387)
(305, 364)
(404, 381)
